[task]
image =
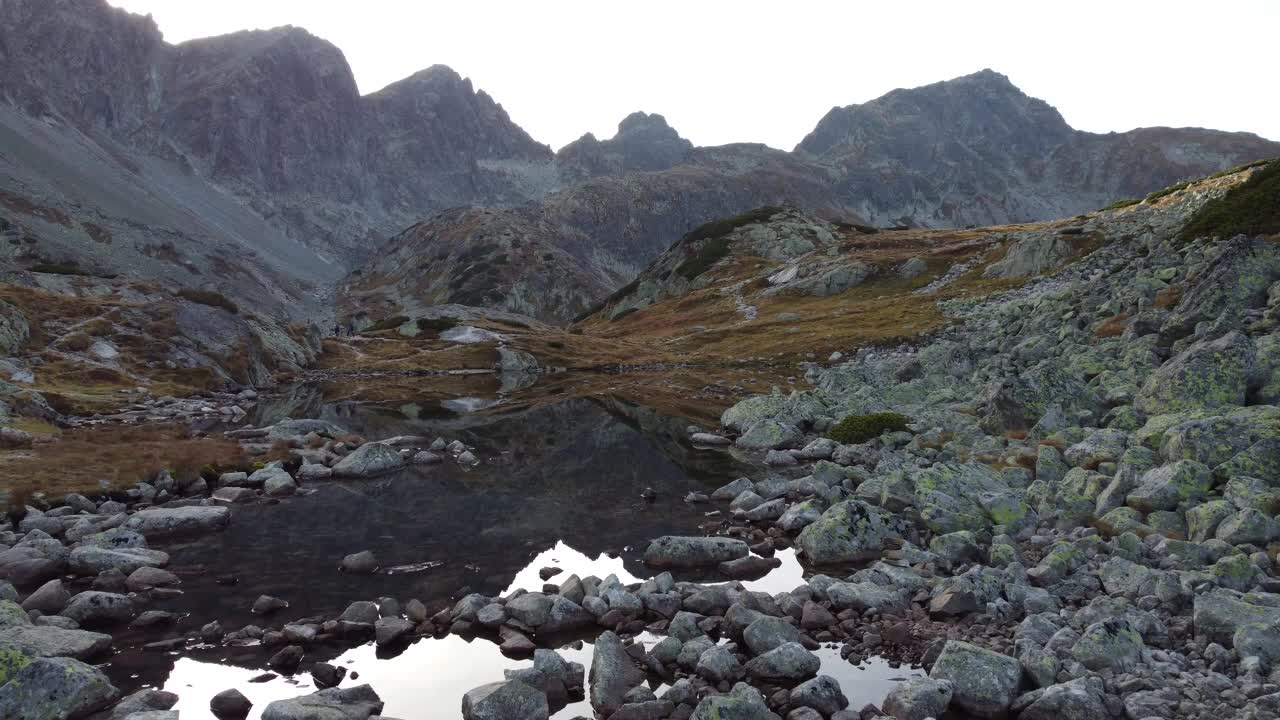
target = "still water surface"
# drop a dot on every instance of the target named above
(559, 486)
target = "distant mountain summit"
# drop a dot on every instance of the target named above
(976, 150)
(643, 143)
(249, 163)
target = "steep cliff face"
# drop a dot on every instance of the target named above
(86, 61)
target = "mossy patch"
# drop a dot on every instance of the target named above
(861, 428)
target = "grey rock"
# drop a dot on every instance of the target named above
(49, 641)
(510, 700)
(787, 662)
(230, 703)
(354, 703)
(92, 608)
(742, 703)
(361, 563)
(672, 551)
(368, 460)
(90, 560)
(612, 674)
(162, 522)
(822, 693)
(49, 598)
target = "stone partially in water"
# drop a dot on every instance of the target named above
(368, 460)
(354, 703)
(230, 704)
(612, 674)
(48, 641)
(510, 700)
(361, 563)
(92, 607)
(159, 522)
(675, 551)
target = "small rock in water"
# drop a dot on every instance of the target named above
(327, 675)
(266, 604)
(468, 458)
(361, 563)
(547, 573)
(287, 659)
(649, 494)
(230, 704)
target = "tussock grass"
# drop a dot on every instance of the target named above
(89, 459)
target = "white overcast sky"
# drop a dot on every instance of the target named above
(744, 70)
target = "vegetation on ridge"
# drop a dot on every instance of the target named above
(1251, 208)
(715, 241)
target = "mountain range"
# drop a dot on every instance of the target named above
(249, 164)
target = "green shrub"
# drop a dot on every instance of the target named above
(1251, 208)
(390, 323)
(436, 325)
(623, 314)
(709, 254)
(1121, 204)
(67, 268)
(861, 428)
(555, 344)
(210, 298)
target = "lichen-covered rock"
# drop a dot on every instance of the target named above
(54, 689)
(918, 699)
(767, 633)
(849, 531)
(788, 662)
(1109, 644)
(769, 435)
(984, 683)
(863, 596)
(1166, 487)
(48, 641)
(1209, 374)
(796, 409)
(1248, 526)
(1220, 613)
(742, 703)
(612, 674)
(1079, 699)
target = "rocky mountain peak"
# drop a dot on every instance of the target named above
(644, 143)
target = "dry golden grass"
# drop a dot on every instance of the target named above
(1113, 326)
(1168, 297)
(86, 459)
